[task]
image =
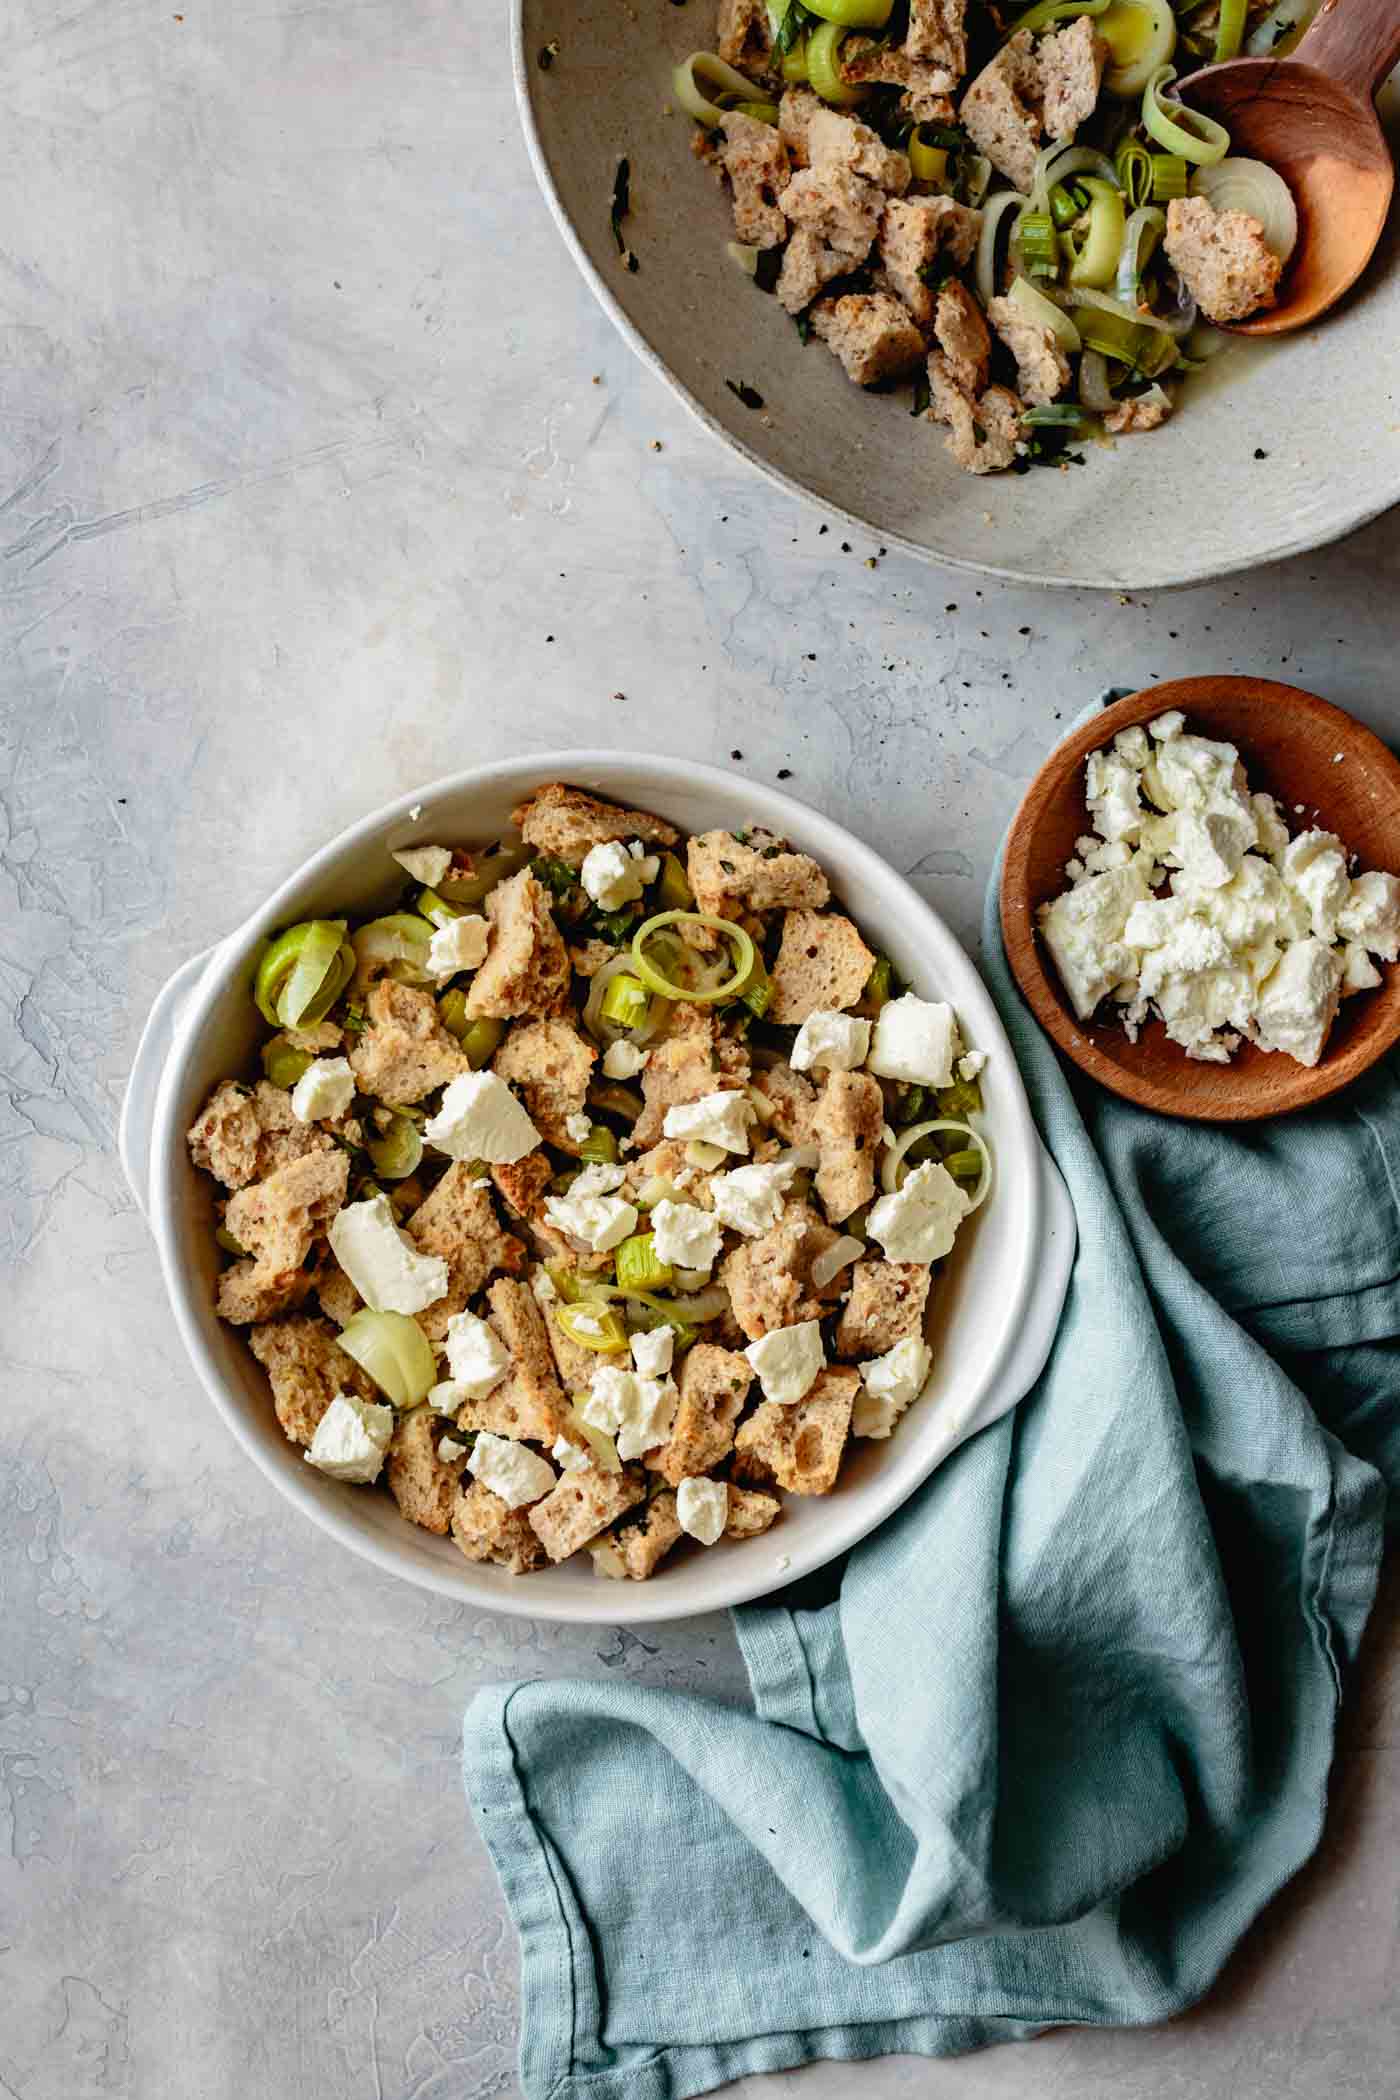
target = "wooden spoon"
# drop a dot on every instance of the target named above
(1312, 117)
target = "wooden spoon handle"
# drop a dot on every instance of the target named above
(1354, 41)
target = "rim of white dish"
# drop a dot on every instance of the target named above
(1205, 572)
(754, 1576)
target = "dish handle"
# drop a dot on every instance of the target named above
(139, 1105)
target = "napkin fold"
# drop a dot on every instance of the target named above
(1042, 1747)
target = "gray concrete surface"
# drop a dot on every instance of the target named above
(320, 474)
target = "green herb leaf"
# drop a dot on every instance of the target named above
(742, 391)
(621, 206)
(794, 24)
(548, 53)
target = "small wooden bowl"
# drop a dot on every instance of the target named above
(1301, 750)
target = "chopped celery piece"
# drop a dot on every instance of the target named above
(1039, 246)
(230, 1245)
(600, 1145)
(757, 994)
(616, 1100)
(452, 1012)
(852, 14)
(593, 1326)
(964, 1166)
(437, 909)
(482, 1040)
(397, 1153)
(1169, 177)
(878, 987)
(929, 163)
(626, 1002)
(302, 973)
(908, 1104)
(638, 1266)
(283, 1063)
(673, 891)
(564, 1280)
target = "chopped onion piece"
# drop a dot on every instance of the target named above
(838, 1256)
(1253, 187)
(893, 1170)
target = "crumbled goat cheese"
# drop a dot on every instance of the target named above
(477, 1358)
(622, 1060)
(578, 1127)
(788, 1360)
(512, 1471)
(830, 1042)
(324, 1091)
(569, 1457)
(915, 1040)
(426, 864)
(614, 876)
(919, 1221)
(382, 1262)
(459, 945)
(685, 1235)
(1194, 906)
(637, 1412)
(702, 1508)
(590, 1212)
(971, 1066)
(653, 1353)
(750, 1199)
(351, 1439)
(480, 1118)
(889, 1384)
(720, 1119)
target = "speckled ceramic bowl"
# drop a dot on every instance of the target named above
(1277, 449)
(995, 1309)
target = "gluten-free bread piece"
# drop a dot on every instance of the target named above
(982, 434)
(750, 1513)
(962, 336)
(307, 1368)
(822, 963)
(841, 209)
(871, 333)
(756, 161)
(1042, 366)
(808, 268)
(1221, 257)
(802, 1445)
(279, 1221)
(528, 1402)
(247, 1292)
(582, 1505)
(928, 89)
(340, 1301)
(936, 32)
(244, 1134)
(1001, 110)
(549, 1064)
(487, 1529)
(795, 113)
(836, 141)
(404, 1052)
(458, 1223)
(769, 1279)
(745, 35)
(1071, 63)
(423, 1485)
(566, 824)
(915, 232)
(714, 1385)
(527, 969)
(792, 1102)
(639, 1548)
(692, 1060)
(730, 876)
(849, 1119)
(886, 1304)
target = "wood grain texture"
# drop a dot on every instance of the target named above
(1289, 741)
(1310, 116)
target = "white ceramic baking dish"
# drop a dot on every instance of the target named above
(996, 1305)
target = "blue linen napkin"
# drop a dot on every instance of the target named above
(1044, 1746)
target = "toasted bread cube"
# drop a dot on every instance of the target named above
(936, 33)
(486, 1529)
(423, 1485)
(566, 824)
(982, 435)
(755, 160)
(340, 1301)
(795, 113)
(1042, 365)
(849, 1119)
(792, 1102)
(840, 208)
(1001, 110)
(642, 1546)
(802, 1445)
(549, 1064)
(837, 141)
(962, 336)
(745, 35)
(404, 1052)
(248, 1292)
(871, 334)
(1221, 257)
(527, 968)
(914, 233)
(280, 1220)
(242, 1136)
(458, 1222)
(582, 1505)
(822, 963)
(928, 89)
(1071, 63)
(528, 1403)
(730, 878)
(307, 1368)
(692, 1060)
(887, 1303)
(769, 1279)
(714, 1385)
(750, 1513)
(809, 266)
